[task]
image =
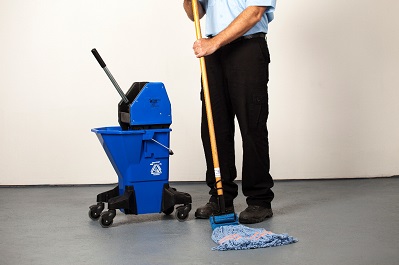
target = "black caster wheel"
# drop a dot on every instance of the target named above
(169, 210)
(182, 212)
(107, 218)
(95, 211)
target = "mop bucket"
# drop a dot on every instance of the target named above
(138, 150)
(139, 161)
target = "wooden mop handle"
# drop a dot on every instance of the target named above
(218, 177)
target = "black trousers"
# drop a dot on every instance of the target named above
(238, 74)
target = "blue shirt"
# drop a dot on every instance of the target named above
(220, 13)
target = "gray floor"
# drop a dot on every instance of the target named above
(336, 221)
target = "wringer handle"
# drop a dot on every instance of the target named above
(98, 57)
(104, 67)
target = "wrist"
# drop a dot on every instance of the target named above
(217, 41)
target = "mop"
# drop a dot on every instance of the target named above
(227, 232)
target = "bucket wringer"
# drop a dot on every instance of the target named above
(139, 152)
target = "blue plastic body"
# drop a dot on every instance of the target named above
(151, 106)
(223, 219)
(139, 162)
(140, 157)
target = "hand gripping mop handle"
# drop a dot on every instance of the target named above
(104, 67)
(215, 157)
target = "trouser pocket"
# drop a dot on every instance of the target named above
(258, 110)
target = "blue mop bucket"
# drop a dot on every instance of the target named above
(140, 159)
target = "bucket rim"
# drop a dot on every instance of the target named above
(117, 130)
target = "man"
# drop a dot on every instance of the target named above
(237, 60)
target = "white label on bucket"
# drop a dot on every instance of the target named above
(156, 169)
(217, 172)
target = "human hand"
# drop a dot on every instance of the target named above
(204, 47)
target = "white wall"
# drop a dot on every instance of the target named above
(333, 87)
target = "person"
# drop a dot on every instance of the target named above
(237, 62)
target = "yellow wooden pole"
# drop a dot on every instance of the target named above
(218, 177)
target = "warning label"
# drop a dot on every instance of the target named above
(156, 169)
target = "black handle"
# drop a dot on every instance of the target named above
(98, 57)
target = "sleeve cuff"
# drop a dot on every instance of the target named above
(269, 3)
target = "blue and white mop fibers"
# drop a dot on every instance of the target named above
(237, 237)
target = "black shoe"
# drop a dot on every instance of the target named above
(209, 209)
(255, 214)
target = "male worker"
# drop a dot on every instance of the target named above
(237, 62)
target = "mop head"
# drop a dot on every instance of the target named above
(237, 237)
(223, 220)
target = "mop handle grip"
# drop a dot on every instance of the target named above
(98, 57)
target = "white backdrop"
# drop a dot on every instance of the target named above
(333, 87)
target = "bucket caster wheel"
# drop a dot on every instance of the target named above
(182, 212)
(95, 210)
(169, 210)
(107, 218)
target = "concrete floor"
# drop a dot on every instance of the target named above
(352, 222)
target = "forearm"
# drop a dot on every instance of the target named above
(244, 22)
(188, 7)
